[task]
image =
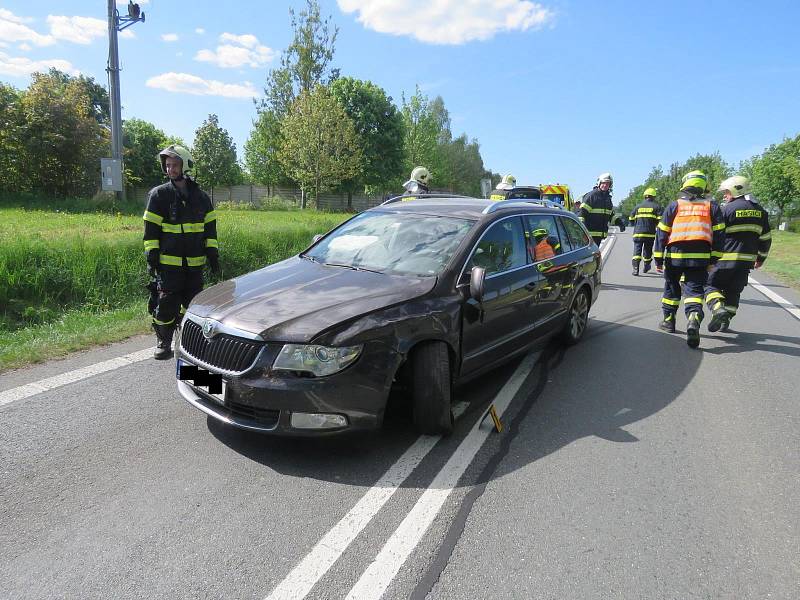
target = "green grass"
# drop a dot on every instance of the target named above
(55, 265)
(784, 258)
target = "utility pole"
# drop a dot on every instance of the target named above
(112, 169)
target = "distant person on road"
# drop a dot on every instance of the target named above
(689, 239)
(597, 208)
(645, 217)
(418, 183)
(576, 207)
(180, 237)
(507, 183)
(747, 242)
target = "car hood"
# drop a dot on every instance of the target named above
(296, 299)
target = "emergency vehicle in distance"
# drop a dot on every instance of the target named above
(559, 193)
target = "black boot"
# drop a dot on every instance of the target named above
(668, 324)
(719, 319)
(646, 266)
(635, 271)
(163, 349)
(693, 330)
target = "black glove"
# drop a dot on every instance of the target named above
(213, 263)
(152, 261)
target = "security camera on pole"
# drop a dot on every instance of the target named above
(111, 168)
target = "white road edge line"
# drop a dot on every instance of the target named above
(779, 300)
(607, 245)
(387, 563)
(57, 381)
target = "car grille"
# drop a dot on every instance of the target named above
(223, 351)
(265, 418)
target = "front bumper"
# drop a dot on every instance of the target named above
(263, 400)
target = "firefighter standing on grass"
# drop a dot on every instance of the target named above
(747, 242)
(645, 217)
(689, 239)
(597, 208)
(180, 238)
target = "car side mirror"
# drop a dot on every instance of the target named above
(476, 282)
(316, 238)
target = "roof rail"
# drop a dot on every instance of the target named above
(520, 203)
(402, 197)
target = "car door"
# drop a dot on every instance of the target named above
(553, 259)
(497, 326)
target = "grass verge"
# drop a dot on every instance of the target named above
(74, 330)
(784, 258)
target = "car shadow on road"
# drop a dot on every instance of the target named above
(617, 375)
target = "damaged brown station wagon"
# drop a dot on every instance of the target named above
(425, 293)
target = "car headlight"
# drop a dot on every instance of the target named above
(317, 360)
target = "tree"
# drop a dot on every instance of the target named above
(142, 143)
(464, 166)
(12, 148)
(380, 130)
(98, 95)
(63, 139)
(261, 149)
(305, 63)
(215, 155)
(421, 140)
(319, 146)
(776, 177)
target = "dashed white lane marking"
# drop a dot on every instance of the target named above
(328, 550)
(777, 299)
(43, 385)
(387, 563)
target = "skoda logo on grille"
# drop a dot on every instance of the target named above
(209, 328)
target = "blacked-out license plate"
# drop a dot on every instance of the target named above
(209, 383)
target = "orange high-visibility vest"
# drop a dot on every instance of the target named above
(692, 222)
(543, 250)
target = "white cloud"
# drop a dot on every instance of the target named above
(170, 37)
(78, 30)
(184, 83)
(12, 29)
(127, 34)
(448, 21)
(22, 67)
(200, 31)
(24, 47)
(240, 51)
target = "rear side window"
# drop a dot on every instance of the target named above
(542, 236)
(501, 248)
(577, 236)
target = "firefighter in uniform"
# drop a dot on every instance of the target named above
(597, 208)
(180, 237)
(689, 238)
(417, 184)
(645, 217)
(747, 242)
(544, 245)
(508, 183)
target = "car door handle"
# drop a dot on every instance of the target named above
(531, 286)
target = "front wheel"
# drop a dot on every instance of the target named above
(578, 319)
(431, 389)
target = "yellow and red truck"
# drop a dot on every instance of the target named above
(557, 192)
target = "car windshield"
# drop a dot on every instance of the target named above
(396, 243)
(554, 198)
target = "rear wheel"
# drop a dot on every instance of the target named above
(431, 389)
(578, 319)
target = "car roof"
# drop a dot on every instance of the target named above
(466, 207)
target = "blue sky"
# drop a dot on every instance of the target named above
(554, 91)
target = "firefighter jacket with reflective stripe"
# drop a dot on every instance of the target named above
(645, 217)
(747, 234)
(691, 233)
(499, 194)
(596, 211)
(182, 228)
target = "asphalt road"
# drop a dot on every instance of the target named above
(630, 466)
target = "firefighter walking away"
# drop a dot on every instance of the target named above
(747, 242)
(689, 239)
(180, 238)
(645, 217)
